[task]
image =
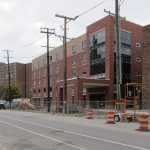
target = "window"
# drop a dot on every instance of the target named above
(34, 74)
(84, 72)
(50, 70)
(39, 73)
(57, 76)
(126, 37)
(50, 59)
(57, 68)
(34, 65)
(138, 45)
(138, 59)
(51, 78)
(44, 62)
(74, 47)
(39, 82)
(84, 58)
(74, 73)
(39, 90)
(34, 83)
(74, 60)
(57, 56)
(38, 64)
(44, 90)
(84, 45)
(97, 38)
(34, 91)
(44, 81)
(44, 71)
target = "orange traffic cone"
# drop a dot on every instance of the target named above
(89, 114)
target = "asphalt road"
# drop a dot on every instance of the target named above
(35, 131)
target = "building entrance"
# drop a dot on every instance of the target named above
(97, 101)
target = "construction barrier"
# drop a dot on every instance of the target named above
(110, 117)
(143, 122)
(89, 113)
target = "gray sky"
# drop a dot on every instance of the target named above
(20, 22)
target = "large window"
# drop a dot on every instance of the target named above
(97, 38)
(97, 54)
(125, 39)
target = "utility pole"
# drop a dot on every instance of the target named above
(48, 32)
(118, 19)
(9, 80)
(65, 59)
(118, 59)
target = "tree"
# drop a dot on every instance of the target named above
(14, 92)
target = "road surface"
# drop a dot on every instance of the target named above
(36, 131)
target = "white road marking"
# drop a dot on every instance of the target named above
(79, 134)
(41, 135)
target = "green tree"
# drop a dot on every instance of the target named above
(14, 92)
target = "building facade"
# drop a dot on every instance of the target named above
(91, 65)
(20, 74)
(146, 67)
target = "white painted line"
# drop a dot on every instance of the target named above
(79, 134)
(41, 135)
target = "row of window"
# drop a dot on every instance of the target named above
(74, 49)
(74, 74)
(74, 61)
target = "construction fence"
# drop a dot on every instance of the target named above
(77, 108)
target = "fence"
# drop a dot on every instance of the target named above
(79, 108)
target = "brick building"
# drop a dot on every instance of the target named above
(90, 64)
(146, 66)
(20, 74)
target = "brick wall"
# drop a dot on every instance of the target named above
(146, 66)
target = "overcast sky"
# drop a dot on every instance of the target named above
(20, 22)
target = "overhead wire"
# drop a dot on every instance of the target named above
(121, 2)
(29, 44)
(90, 9)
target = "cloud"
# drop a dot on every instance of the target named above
(7, 5)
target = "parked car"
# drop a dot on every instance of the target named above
(2, 106)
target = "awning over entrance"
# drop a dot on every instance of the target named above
(94, 85)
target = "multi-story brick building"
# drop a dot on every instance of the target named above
(146, 67)
(20, 74)
(91, 64)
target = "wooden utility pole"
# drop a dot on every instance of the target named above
(118, 47)
(9, 80)
(118, 51)
(48, 32)
(65, 59)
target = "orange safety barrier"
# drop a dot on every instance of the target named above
(143, 122)
(89, 114)
(110, 117)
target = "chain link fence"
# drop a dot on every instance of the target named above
(77, 108)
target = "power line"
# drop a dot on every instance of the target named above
(33, 42)
(90, 9)
(121, 3)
